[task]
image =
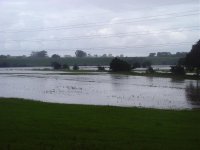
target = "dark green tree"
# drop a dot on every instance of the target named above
(65, 66)
(177, 70)
(56, 56)
(136, 65)
(146, 64)
(150, 70)
(119, 65)
(80, 53)
(56, 65)
(192, 59)
(75, 67)
(101, 68)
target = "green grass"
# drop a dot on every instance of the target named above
(29, 125)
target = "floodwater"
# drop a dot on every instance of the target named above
(100, 89)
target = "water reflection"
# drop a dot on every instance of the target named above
(177, 80)
(150, 79)
(193, 92)
(119, 81)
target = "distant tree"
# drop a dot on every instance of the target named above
(4, 64)
(121, 55)
(23, 56)
(75, 67)
(101, 68)
(177, 70)
(146, 64)
(3, 56)
(65, 66)
(55, 56)
(119, 65)
(89, 55)
(67, 56)
(56, 65)
(40, 54)
(80, 53)
(180, 54)
(152, 54)
(150, 70)
(164, 54)
(104, 55)
(110, 55)
(136, 65)
(192, 59)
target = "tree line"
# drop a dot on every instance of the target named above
(191, 62)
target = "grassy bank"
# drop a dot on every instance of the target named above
(28, 125)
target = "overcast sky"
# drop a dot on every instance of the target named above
(129, 27)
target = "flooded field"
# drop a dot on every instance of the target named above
(100, 89)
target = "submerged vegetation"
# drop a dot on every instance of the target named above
(37, 125)
(117, 65)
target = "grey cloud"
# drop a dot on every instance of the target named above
(34, 14)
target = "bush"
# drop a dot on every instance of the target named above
(119, 65)
(146, 64)
(150, 70)
(136, 65)
(56, 65)
(65, 66)
(177, 70)
(75, 67)
(100, 68)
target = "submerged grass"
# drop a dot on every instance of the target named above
(30, 125)
(162, 75)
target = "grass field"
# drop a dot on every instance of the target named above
(29, 125)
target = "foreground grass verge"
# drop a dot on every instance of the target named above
(29, 125)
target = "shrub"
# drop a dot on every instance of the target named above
(100, 68)
(75, 67)
(146, 64)
(136, 65)
(56, 65)
(177, 70)
(150, 70)
(119, 65)
(65, 66)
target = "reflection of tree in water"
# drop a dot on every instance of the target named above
(119, 81)
(193, 92)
